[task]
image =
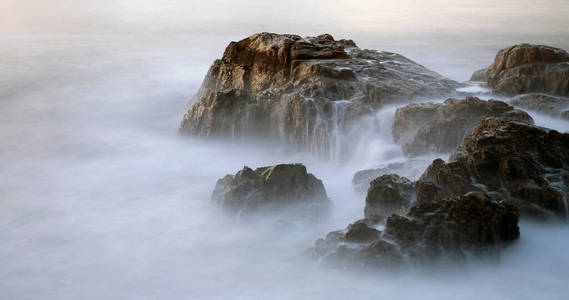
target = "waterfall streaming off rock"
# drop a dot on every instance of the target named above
(106, 195)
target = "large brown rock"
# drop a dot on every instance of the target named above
(302, 91)
(268, 187)
(441, 127)
(387, 195)
(554, 106)
(527, 68)
(527, 166)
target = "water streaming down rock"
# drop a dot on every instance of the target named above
(306, 92)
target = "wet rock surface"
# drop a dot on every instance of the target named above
(441, 127)
(387, 195)
(269, 188)
(522, 164)
(554, 106)
(528, 68)
(303, 91)
(470, 224)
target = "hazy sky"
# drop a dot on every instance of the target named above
(451, 37)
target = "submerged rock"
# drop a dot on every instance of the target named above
(412, 169)
(360, 244)
(554, 106)
(442, 127)
(268, 187)
(387, 195)
(452, 227)
(527, 68)
(527, 166)
(303, 91)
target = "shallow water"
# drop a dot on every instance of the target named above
(100, 197)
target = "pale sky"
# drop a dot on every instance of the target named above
(390, 17)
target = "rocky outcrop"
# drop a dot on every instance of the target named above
(525, 165)
(441, 127)
(471, 223)
(527, 68)
(303, 91)
(360, 232)
(268, 187)
(554, 106)
(387, 195)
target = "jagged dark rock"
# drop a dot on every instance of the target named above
(303, 91)
(268, 187)
(472, 223)
(360, 232)
(441, 127)
(387, 195)
(554, 106)
(527, 68)
(527, 166)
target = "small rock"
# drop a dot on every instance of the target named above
(274, 186)
(360, 232)
(387, 195)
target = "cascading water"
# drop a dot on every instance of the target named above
(337, 132)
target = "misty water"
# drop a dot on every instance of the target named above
(101, 198)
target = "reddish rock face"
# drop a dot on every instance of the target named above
(441, 127)
(527, 68)
(525, 165)
(302, 91)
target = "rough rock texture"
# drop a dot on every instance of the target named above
(554, 106)
(525, 165)
(360, 232)
(471, 223)
(387, 195)
(304, 91)
(279, 185)
(342, 248)
(527, 68)
(441, 127)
